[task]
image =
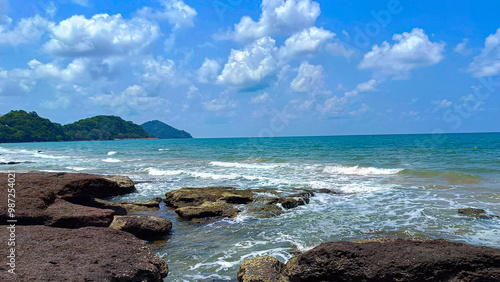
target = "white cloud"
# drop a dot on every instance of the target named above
(461, 48)
(159, 72)
(309, 78)
(101, 35)
(133, 99)
(192, 90)
(176, 12)
(28, 30)
(84, 3)
(277, 17)
(306, 42)
(442, 103)
(249, 67)
(338, 105)
(364, 108)
(259, 99)
(4, 19)
(488, 62)
(208, 71)
(76, 70)
(220, 104)
(412, 50)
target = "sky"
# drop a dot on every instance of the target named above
(241, 68)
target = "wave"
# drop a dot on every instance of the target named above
(111, 160)
(159, 172)
(357, 170)
(245, 165)
(111, 153)
(164, 149)
(76, 168)
(451, 176)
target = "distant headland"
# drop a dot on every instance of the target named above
(21, 126)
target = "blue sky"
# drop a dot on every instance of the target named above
(234, 68)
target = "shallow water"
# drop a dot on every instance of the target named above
(390, 185)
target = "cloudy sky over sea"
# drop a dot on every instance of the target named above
(251, 68)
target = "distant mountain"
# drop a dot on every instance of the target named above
(164, 131)
(104, 128)
(20, 126)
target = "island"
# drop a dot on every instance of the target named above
(21, 126)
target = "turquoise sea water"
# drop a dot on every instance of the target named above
(389, 185)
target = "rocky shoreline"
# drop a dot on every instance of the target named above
(67, 231)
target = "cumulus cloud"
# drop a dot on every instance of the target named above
(462, 49)
(306, 42)
(248, 68)
(488, 62)
(28, 30)
(220, 104)
(411, 50)
(208, 71)
(277, 17)
(338, 105)
(259, 99)
(160, 73)
(309, 78)
(176, 12)
(133, 99)
(101, 35)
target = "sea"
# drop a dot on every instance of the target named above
(400, 186)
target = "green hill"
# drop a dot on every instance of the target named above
(20, 126)
(164, 131)
(104, 128)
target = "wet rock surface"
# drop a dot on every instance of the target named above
(143, 227)
(392, 260)
(207, 204)
(124, 208)
(85, 254)
(477, 213)
(59, 199)
(260, 269)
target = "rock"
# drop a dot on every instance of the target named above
(65, 214)
(123, 208)
(143, 227)
(207, 204)
(395, 260)
(260, 269)
(478, 213)
(123, 181)
(69, 192)
(85, 254)
(14, 163)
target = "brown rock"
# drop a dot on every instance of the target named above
(478, 213)
(260, 269)
(395, 260)
(123, 208)
(143, 227)
(36, 192)
(207, 204)
(85, 254)
(65, 214)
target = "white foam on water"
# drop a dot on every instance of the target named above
(166, 149)
(44, 156)
(245, 165)
(357, 170)
(76, 168)
(159, 172)
(111, 160)
(111, 153)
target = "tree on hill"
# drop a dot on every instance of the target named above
(164, 131)
(20, 126)
(104, 128)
